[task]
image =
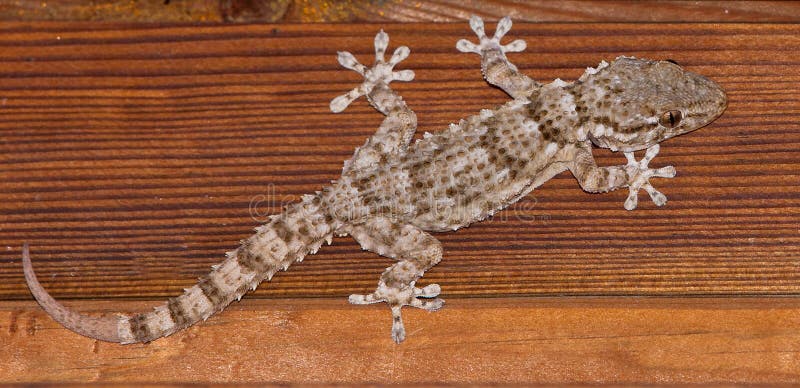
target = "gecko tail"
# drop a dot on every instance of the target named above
(287, 238)
(102, 328)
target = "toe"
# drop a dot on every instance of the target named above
(339, 103)
(429, 291)
(348, 61)
(665, 172)
(398, 330)
(381, 42)
(403, 75)
(476, 23)
(515, 46)
(399, 55)
(427, 304)
(658, 198)
(466, 46)
(632, 201)
(364, 299)
(503, 26)
(650, 154)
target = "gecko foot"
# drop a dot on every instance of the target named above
(399, 297)
(381, 71)
(485, 43)
(640, 175)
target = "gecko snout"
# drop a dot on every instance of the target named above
(709, 100)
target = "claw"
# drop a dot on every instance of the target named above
(485, 43)
(640, 175)
(380, 72)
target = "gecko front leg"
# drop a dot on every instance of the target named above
(639, 177)
(397, 129)
(415, 251)
(496, 68)
(635, 175)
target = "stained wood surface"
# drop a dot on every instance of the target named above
(132, 157)
(315, 11)
(552, 340)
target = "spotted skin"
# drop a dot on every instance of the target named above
(393, 192)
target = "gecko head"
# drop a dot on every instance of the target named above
(632, 104)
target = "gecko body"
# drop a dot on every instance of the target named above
(393, 192)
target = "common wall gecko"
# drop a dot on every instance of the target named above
(393, 191)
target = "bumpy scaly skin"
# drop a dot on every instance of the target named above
(392, 193)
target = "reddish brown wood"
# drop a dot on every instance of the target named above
(636, 341)
(315, 11)
(130, 158)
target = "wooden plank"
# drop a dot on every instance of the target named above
(133, 157)
(551, 341)
(314, 11)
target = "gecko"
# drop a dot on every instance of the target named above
(394, 192)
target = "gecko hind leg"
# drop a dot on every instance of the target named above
(416, 251)
(397, 129)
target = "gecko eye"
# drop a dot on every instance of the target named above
(671, 118)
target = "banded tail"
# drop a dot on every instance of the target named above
(288, 237)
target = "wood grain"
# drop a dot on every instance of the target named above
(133, 157)
(590, 341)
(315, 11)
